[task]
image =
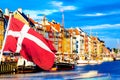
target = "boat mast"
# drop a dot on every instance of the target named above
(6, 33)
(62, 18)
(71, 41)
(44, 28)
(62, 32)
(118, 46)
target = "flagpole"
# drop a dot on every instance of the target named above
(5, 37)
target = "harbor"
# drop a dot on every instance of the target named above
(86, 72)
(60, 41)
(71, 46)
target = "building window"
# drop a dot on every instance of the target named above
(76, 41)
(76, 46)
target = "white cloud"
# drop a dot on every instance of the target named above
(61, 7)
(35, 13)
(55, 3)
(46, 12)
(96, 14)
(102, 26)
(69, 7)
(110, 42)
(100, 14)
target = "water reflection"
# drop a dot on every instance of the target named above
(61, 75)
(105, 71)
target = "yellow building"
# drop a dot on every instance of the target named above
(1, 28)
(94, 47)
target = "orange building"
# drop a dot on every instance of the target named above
(86, 44)
(1, 28)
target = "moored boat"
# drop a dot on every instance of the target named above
(25, 66)
(82, 61)
(65, 66)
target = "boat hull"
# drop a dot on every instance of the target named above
(65, 66)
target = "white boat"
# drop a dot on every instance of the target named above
(25, 64)
(82, 61)
(92, 62)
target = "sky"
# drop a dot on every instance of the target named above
(100, 18)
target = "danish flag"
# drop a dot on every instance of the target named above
(30, 44)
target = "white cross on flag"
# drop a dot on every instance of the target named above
(30, 44)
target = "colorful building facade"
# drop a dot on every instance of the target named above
(1, 29)
(66, 41)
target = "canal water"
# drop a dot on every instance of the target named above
(104, 71)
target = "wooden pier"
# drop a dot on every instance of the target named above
(11, 67)
(8, 67)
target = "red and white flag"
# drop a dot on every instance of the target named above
(30, 44)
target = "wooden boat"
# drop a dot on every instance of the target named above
(64, 66)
